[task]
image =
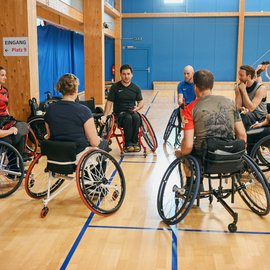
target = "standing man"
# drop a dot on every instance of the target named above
(126, 98)
(185, 88)
(250, 97)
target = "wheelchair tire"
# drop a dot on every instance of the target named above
(261, 153)
(252, 187)
(149, 134)
(37, 124)
(175, 196)
(171, 124)
(12, 169)
(100, 182)
(106, 130)
(36, 179)
(31, 142)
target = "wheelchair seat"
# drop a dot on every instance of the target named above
(222, 156)
(61, 156)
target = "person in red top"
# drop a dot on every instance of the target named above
(11, 130)
(208, 116)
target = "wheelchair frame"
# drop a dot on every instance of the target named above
(182, 195)
(146, 131)
(175, 116)
(90, 184)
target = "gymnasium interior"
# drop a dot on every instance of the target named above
(92, 39)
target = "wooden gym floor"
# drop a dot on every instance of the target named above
(71, 237)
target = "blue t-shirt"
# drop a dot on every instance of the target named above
(66, 122)
(187, 90)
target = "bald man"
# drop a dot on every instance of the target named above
(185, 88)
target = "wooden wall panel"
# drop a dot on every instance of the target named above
(22, 71)
(240, 45)
(94, 50)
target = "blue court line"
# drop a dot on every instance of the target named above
(223, 231)
(128, 228)
(79, 237)
(174, 248)
(76, 243)
(173, 229)
(143, 162)
(151, 103)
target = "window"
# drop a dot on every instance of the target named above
(173, 1)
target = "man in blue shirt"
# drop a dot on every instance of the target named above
(185, 88)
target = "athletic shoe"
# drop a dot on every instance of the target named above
(137, 147)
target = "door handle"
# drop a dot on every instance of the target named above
(148, 69)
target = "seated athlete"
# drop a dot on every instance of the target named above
(208, 116)
(250, 97)
(126, 98)
(70, 121)
(11, 130)
(185, 88)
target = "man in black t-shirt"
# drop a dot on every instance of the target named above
(126, 98)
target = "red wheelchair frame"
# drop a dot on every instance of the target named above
(146, 131)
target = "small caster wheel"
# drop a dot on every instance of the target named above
(44, 212)
(121, 155)
(144, 154)
(210, 199)
(232, 227)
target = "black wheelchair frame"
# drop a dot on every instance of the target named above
(176, 196)
(174, 123)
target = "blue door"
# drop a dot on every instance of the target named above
(138, 58)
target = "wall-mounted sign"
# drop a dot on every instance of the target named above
(15, 46)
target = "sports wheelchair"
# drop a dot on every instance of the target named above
(174, 123)
(233, 172)
(260, 150)
(12, 164)
(36, 119)
(99, 178)
(109, 131)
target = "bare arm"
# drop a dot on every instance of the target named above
(108, 107)
(254, 103)
(138, 106)
(258, 67)
(266, 73)
(187, 143)
(91, 132)
(265, 122)
(180, 99)
(238, 98)
(240, 131)
(10, 131)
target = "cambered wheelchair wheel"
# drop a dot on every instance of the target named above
(175, 195)
(261, 154)
(36, 179)
(11, 169)
(37, 124)
(100, 182)
(171, 124)
(149, 134)
(31, 142)
(252, 188)
(106, 130)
